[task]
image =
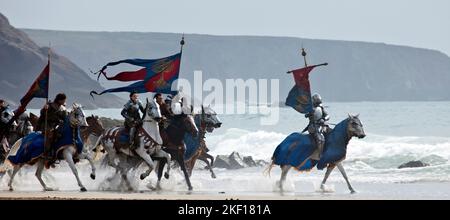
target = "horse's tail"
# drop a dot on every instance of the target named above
(266, 171)
(7, 165)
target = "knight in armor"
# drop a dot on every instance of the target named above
(4, 117)
(317, 123)
(132, 116)
(164, 106)
(50, 123)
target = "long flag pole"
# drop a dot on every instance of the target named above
(46, 99)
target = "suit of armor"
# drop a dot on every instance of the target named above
(317, 125)
(132, 117)
(56, 114)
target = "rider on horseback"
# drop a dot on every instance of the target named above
(132, 117)
(56, 114)
(164, 107)
(317, 123)
(4, 129)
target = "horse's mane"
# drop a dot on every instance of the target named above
(340, 130)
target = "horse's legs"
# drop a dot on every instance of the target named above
(162, 162)
(204, 158)
(68, 156)
(284, 171)
(209, 156)
(39, 169)
(142, 152)
(190, 164)
(180, 160)
(14, 172)
(87, 156)
(111, 154)
(329, 170)
(125, 178)
(162, 154)
(341, 168)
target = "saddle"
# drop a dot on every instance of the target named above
(122, 139)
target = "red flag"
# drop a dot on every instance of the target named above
(299, 97)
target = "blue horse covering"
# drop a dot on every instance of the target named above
(296, 149)
(32, 146)
(192, 145)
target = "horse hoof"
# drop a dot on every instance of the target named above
(213, 176)
(352, 191)
(92, 176)
(82, 189)
(166, 175)
(190, 188)
(142, 177)
(11, 189)
(48, 189)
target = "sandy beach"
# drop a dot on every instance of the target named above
(409, 191)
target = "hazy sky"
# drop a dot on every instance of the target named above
(419, 23)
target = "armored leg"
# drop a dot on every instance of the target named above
(320, 142)
(132, 133)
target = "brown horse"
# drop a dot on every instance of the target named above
(207, 121)
(173, 142)
(95, 128)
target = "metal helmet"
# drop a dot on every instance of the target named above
(316, 99)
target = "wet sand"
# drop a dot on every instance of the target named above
(374, 191)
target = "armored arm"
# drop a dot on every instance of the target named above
(124, 112)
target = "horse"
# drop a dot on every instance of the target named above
(296, 151)
(5, 128)
(20, 128)
(196, 147)
(29, 149)
(95, 129)
(180, 123)
(115, 142)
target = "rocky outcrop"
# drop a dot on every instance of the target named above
(413, 164)
(236, 161)
(22, 60)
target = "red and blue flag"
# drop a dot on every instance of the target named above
(299, 97)
(156, 76)
(39, 88)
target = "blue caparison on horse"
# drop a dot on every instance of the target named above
(296, 150)
(32, 145)
(69, 147)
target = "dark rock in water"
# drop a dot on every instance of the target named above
(222, 161)
(249, 161)
(235, 161)
(412, 164)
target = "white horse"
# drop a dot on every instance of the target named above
(150, 142)
(75, 120)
